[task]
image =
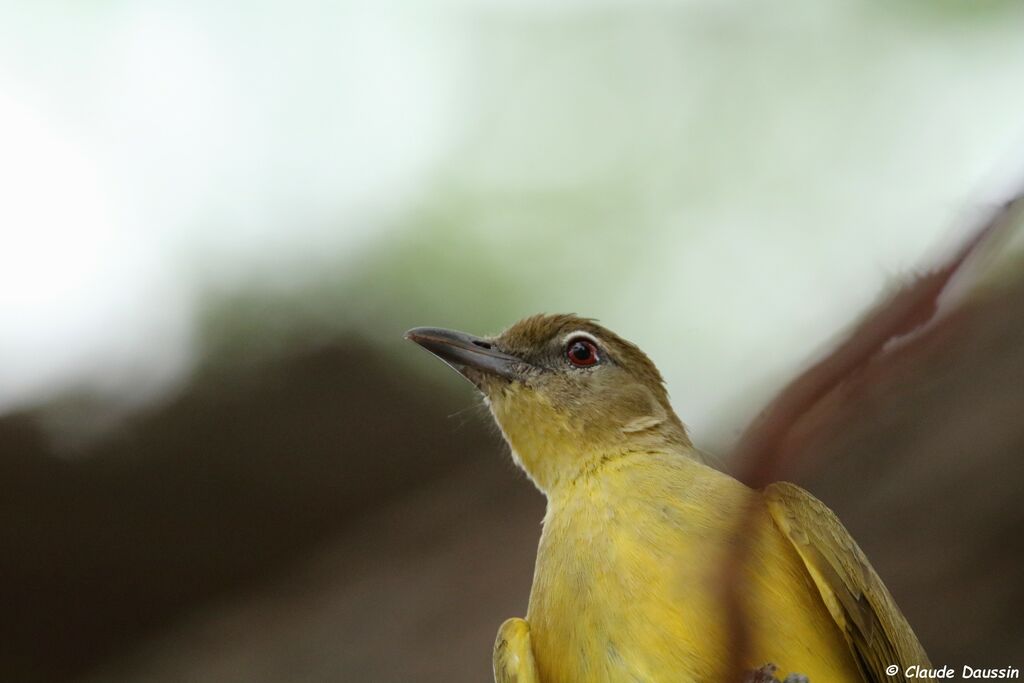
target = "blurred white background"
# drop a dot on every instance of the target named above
(728, 184)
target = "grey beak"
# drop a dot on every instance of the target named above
(464, 351)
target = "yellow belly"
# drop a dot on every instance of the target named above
(627, 585)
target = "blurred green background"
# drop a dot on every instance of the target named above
(221, 462)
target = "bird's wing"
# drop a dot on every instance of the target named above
(878, 634)
(513, 654)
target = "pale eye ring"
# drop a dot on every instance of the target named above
(581, 352)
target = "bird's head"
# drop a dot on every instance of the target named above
(567, 393)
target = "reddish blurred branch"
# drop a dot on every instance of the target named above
(772, 445)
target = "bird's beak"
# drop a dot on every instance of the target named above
(465, 352)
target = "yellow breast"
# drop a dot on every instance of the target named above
(626, 584)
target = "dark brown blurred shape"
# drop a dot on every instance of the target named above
(321, 517)
(222, 493)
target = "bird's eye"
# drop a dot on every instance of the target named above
(581, 352)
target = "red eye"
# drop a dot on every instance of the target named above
(581, 352)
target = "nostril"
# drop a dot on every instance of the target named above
(482, 344)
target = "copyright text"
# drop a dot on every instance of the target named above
(948, 672)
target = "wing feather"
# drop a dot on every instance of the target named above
(860, 604)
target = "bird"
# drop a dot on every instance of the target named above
(638, 525)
